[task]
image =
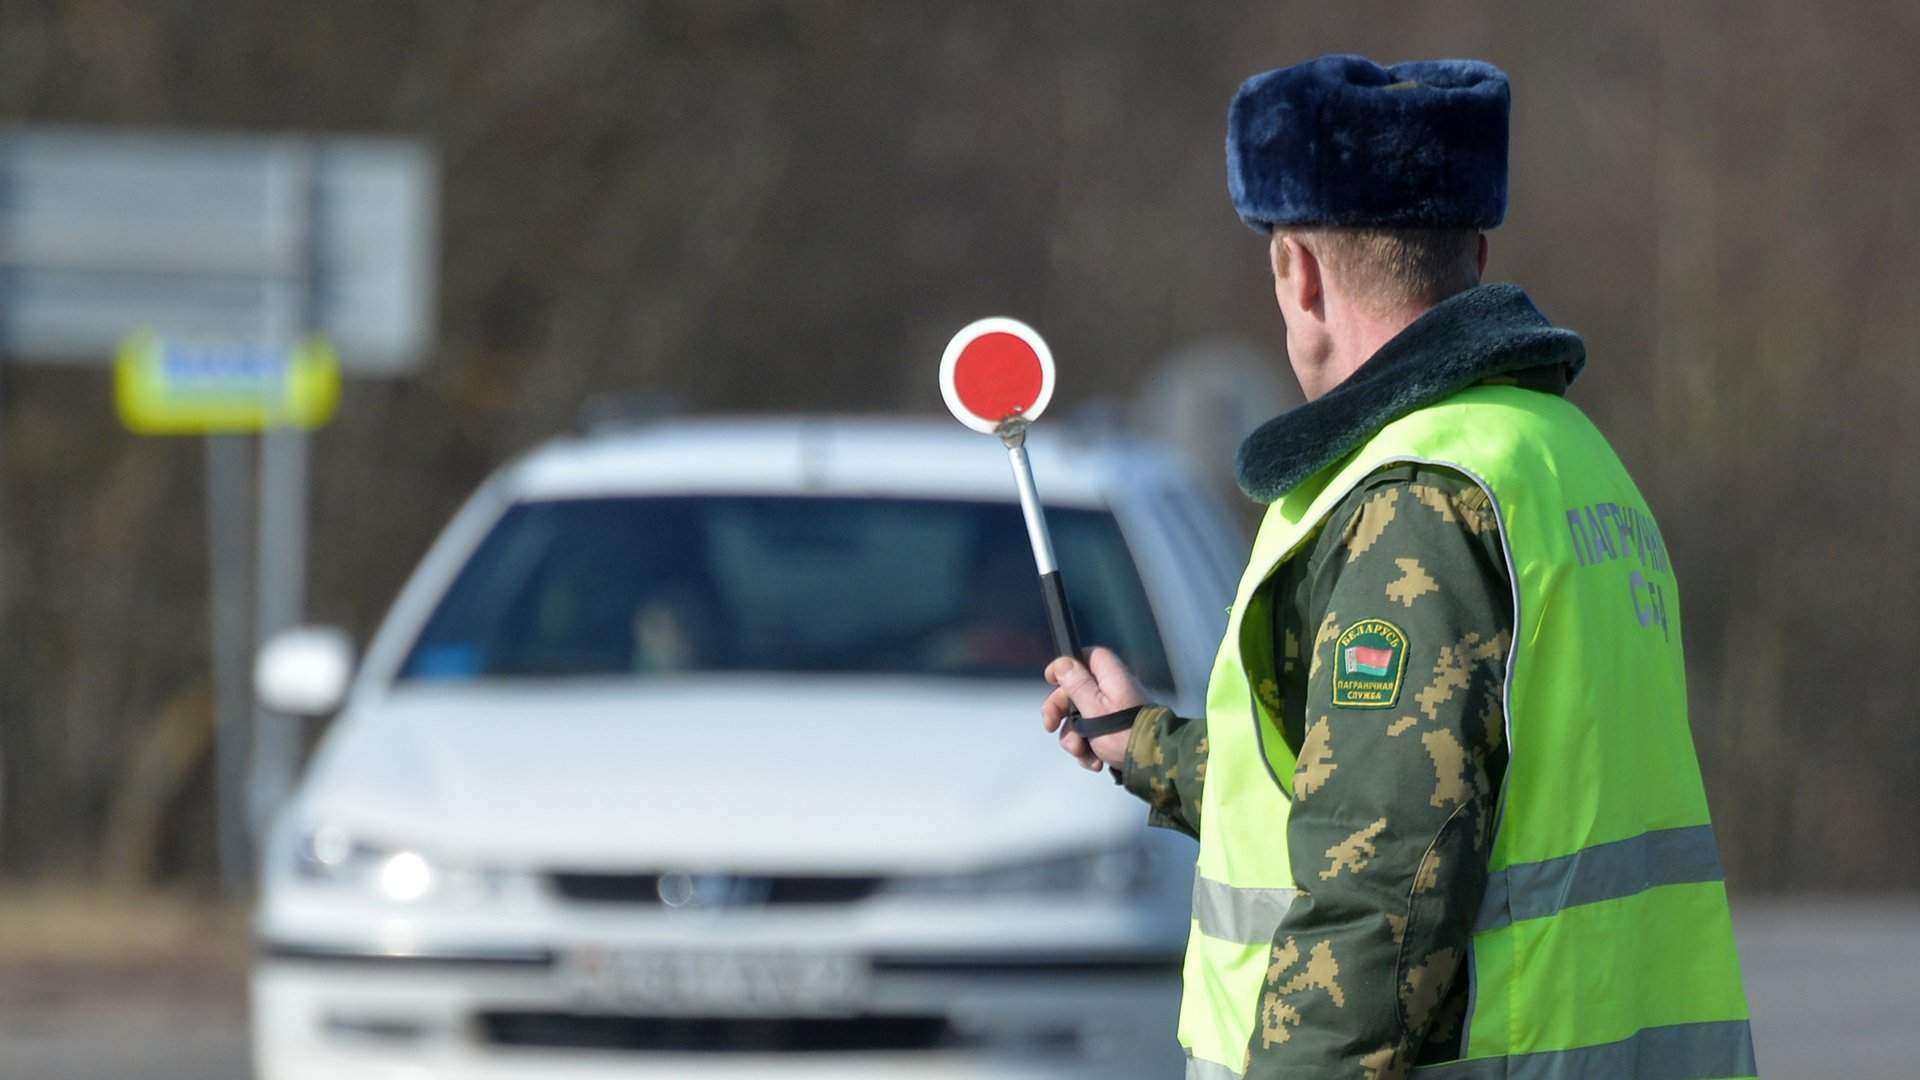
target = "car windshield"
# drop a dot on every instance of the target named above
(656, 585)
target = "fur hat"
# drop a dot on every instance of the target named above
(1343, 141)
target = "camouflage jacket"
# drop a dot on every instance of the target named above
(1393, 810)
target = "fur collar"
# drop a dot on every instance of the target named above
(1485, 332)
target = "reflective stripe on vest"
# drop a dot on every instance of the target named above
(1246, 916)
(1680, 1052)
(1603, 946)
(1198, 1069)
(1602, 872)
(1525, 891)
(1722, 1048)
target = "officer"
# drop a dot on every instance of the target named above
(1451, 822)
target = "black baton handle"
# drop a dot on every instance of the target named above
(1066, 642)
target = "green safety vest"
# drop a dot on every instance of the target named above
(1604, 948)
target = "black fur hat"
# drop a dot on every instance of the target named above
(1343, 141)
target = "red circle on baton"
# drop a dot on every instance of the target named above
(995, 369)
(997, 375)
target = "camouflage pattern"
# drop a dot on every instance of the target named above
(1167, 766)
(1393, 808)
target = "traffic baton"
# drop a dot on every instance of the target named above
(997, 378)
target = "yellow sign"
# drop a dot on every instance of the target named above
(166, 387)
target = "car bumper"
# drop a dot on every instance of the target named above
(469, 1016)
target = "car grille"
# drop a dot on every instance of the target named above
(558, 1030)
(644, 889)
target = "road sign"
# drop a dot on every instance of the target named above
(246, 239)
(995, 369)
(164, 387)
(216, 238)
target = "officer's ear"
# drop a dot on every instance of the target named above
(1483, 258)
(1297, 284)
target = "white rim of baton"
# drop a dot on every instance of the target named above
(995, 324)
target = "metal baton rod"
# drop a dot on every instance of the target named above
(1066, 641)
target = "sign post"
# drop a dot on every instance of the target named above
(224, 391)
(230, 573)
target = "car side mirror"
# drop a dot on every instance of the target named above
(304, 671)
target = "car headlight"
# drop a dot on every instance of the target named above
(1125, 870)
(329, 855)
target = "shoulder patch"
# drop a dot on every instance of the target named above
(1370, 659)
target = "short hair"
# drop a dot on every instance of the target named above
(1393, 269)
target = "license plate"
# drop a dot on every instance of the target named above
(713, 982)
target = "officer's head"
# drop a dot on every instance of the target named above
(1382, 273)
(1373, 183)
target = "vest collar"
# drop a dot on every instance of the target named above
(1484, 333)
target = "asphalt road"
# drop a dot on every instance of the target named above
(1834, 984)
(148, 1023)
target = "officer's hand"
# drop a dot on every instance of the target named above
(1108, 688)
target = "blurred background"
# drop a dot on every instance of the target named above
(781, 207)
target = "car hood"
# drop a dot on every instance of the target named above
(746, 773)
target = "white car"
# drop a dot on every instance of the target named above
(711, 748)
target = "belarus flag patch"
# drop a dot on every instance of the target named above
(1370, 660)
(1367, 660)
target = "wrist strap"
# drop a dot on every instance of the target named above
(1092, 727)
